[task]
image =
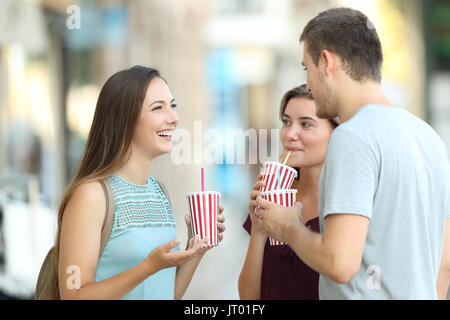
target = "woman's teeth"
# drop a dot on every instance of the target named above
(165, 134)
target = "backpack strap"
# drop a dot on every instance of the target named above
(109, 214)
(163, 188)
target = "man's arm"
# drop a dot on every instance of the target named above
(336, 253)
(443, 280)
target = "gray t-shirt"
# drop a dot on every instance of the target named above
(391, 167)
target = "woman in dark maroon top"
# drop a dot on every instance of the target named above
(275, 272)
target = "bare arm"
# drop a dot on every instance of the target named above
(249, 284)
(184, 276)
(443, 280)
(80, 245)
(186, 271)
(337, 253)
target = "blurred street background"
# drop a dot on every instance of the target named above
(227, 63)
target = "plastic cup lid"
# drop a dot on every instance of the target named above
(278, 191)
(281, 165)
(204, 192)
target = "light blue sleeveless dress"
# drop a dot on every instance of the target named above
(143, 220)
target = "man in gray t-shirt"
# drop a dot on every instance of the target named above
(384, 191)
(391, 167)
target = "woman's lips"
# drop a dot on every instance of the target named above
(293, 149)
(167, 138)
(165, 134)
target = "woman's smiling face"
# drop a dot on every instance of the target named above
(304, 134)
(154, 127)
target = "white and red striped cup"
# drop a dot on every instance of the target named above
(204, 209)
(277, 176)
(282, 197)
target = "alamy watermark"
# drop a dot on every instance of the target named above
(374, 280)
(73, 21)
(227, 146)
(73, 282)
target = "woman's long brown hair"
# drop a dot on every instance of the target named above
(109, 140)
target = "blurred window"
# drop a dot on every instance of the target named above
(240, 6)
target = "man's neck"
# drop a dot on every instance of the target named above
(360, 95)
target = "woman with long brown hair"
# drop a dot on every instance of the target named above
(133, 123)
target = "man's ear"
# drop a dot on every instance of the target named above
(329, 61)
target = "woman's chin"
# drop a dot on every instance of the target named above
(292, 161)
(296, 163)
(162, 150)
(165, 151)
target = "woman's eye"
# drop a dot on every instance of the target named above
(157, 108)
(285, 122)
(306, 124)
(174, 105)
(304, 68)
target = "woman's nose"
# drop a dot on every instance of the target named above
(292, 134)
(173, 117)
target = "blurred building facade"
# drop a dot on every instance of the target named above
(51, 77)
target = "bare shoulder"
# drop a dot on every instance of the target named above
(89, 191)
(87, 200)
(81, 233)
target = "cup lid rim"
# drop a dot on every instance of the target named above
(284, 165)
(280, 191)
(202, 192)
